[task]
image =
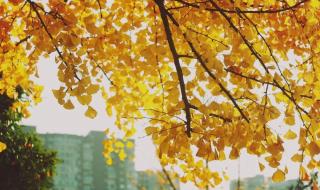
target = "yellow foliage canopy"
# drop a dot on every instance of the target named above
(209, 76)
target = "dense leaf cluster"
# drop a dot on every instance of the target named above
(211, 78)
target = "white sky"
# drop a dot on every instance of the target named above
(50, 117)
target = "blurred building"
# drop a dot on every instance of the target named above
(83, 165)
(259, 182)
(69, 148)
(29, 129)
(286, 185)
(151, 180)
(252, 183)
(97, 175)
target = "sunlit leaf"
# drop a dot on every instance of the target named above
(2, 146)
(278, 176)
(91, 113)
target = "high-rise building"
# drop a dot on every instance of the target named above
(68, 171)
(97, 175)
(259, 182)
(83, 165)
(251, 183)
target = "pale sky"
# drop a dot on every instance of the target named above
(50, 117)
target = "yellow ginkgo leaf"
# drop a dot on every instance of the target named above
(122, 155)
(291, 2)
(303, 174)
(84, 99)
(59, 95)
(286, 170)
(315, 3)
(130, 144)
(290, 135)
(68, 105)
(91, 113)
(297, 158)
(289, 120)
(2, 146)
(109, 161)
(234, 154)
(92, 89)
(151, 130)
(261, 167)
(278, 176)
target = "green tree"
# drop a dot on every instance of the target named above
(25, 163)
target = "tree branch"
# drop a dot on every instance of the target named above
(203, 64)
(175, 56)
(267, 11)
(34, 5)
(169, 178)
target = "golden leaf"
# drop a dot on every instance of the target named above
(151, 130)
(91, 113)
(92, 89)
(68, 105)
(261, 167)
(278, 176)
(297, 158)
(234, 154)
(84, 99)
(2, 146)
(290, 135)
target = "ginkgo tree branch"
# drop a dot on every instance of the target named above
(54, 14)
(149, 118)
(245, 40)
(157, 57)
(261, 11)
(207, 36)
(212, 114)
(256, 54)
(100, 8)
(176, 61)
(286, 92)
(164, 130)
(164, 113)
(34, 8)
(231, 71)
(224, 89)
(259, 58)
(268, 46)
(23, 40)
(248, 77)
(212, 75)
(101, 69)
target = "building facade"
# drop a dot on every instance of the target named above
(68, 171)
(83, 166)
(151, 180)
(260, 182)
